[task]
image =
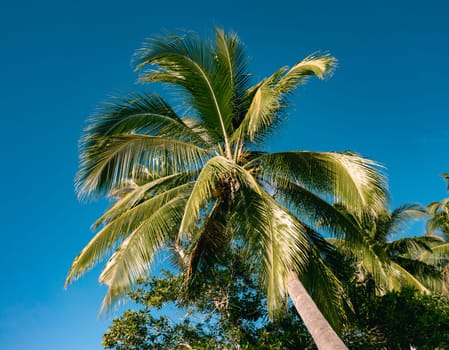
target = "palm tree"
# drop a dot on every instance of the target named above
(190, 180)
(438, 229)
(439, 215)
(392, 263)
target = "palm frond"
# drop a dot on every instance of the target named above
(346, 178)
(268, 98)
(262, 110)
(405, 277)
(326, 291)
(120, 227)
(319, 65)
(133, 258)
(188, 63)
(428, 275)
(409, 247)
(439, 218)
(314, 210)
(139, 113)
(231, 62)
(215, 170)
(207, 243)
(400, 217)
(114, 160)
(438, 255)
(273, 237)
(138, 194)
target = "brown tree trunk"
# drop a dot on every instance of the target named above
(322, 333)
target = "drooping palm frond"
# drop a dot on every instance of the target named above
(345, 178)
(439, 253)
(132, 260)
(273, 237)
(115, 159)
(326, 290)
(140, 113)
(401, 216)
(121, 226)
(411, 247)
(428, 276)
(149, 190)
(402, 277)
(207, 243)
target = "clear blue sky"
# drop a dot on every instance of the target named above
(388, 100)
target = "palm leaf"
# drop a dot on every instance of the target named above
(208, 243)
(326, 291)
(121, 227)
(160, 186)
(406, 277)
(141, 113)
(428, 275)
(262, 110)
(188, 63)
(215, 170)
(114, 160)
(318, 65)
(345, 178)
(268, 97)
(273, 237)
(439, 254)
(409, 246)
(132, 259)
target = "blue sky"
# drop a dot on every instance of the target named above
(388, 100)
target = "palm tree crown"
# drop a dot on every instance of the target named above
(192, 179)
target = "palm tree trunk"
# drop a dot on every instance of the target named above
(322, 333)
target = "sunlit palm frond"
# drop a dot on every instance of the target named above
(326, 290)
(319, 65)
(217, 172)
(428, 275)
(121, 227)
(314, 210)
(114, 160)
(139, 113)
(346, 178)
(133, 258)
(231, 62)
(146, 191)
(410, 247)
(262, 110)
(268, 98)
(274, 238)
(401, 276)
(190, 64)
(439, 254)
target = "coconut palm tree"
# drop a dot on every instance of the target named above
(439, 215)
(193, 179)
(392, 262)
(438, 229)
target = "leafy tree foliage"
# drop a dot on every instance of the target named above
(398, 320)
(226, 311)
(231, 315)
